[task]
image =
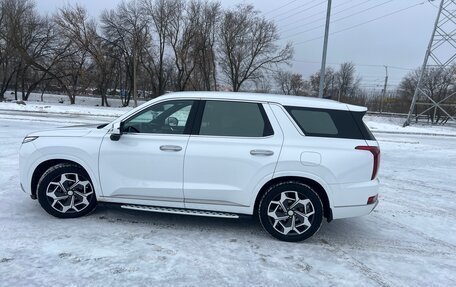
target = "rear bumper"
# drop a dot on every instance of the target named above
(350, 200)
(353, 211)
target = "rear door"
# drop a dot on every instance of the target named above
(234, 147)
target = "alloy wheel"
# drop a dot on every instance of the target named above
(69, 193)
(291, 213)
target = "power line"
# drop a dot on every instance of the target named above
(280, 7)
(340, 19)
(321, 18)
(298, 11)
(319, 13)
(294, 9)
(430, 2)
(401, 68)
(363, 23)
(361, 65)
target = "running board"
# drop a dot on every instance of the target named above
(181, 211)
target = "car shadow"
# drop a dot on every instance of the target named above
(245, 226)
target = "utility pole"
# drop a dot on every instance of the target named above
(325, 48)
(384, 89)
(135, 100)
(135, 62)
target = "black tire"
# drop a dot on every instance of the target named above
(303, 191)
(51, 178)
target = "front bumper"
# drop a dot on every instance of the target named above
(26, 159)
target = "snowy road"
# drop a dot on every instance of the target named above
(409, 240)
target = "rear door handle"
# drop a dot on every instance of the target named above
(170, 148)
(261, 152)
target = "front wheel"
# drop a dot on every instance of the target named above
(291, 211)
(66, 191)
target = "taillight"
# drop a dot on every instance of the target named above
(372, 199)
(376, 153)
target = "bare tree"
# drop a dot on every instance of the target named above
(35, 44)
(205, 74)
(158, 14)
(438, 83)
(248, 46)
(263, 84)
(328, 89)
(11, 29)
(346, 81)
(125, 29)
(291, 83)
(181, 32)
(6, 55)
(147, 46)
(75, 24)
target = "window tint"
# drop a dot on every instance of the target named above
(315, 122)
(328, 123)
(358, 116)
(163, 118)
(225, 118)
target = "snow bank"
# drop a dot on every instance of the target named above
(65, 109)
(379, 124)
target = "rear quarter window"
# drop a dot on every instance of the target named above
(330, 123)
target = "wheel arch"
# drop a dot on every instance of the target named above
(316, 186)
(42, 167)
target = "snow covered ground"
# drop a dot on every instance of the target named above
(63, 100)
(381, 124)
(409, 240)
(85, 105)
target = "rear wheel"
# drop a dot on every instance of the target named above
(66, 191)
(291, 211)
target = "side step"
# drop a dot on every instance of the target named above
(180, 211)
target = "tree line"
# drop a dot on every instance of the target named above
(149, 47)
(142, 47)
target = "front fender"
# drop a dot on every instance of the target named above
(84, 153)
(87, 167)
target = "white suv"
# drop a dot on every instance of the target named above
(288, 160)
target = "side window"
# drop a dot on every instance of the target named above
(163, 118)
(181, 116)
(241, 119)
(315, 122)
(325, 123)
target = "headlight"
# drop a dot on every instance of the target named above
(28, 139)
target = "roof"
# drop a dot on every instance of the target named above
(284, 100)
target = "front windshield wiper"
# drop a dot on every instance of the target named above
(102, 126)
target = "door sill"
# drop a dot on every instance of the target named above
(183, 211)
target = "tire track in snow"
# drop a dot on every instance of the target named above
(417, 209)
(420, 184)
(418, 233)
(391, 246)
(363, 268)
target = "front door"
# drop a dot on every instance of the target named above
(146, 163)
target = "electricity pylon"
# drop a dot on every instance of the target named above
(440, 55)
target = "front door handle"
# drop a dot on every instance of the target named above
(170, 148)
(261, 152)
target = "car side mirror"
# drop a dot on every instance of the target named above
(116, 131)
(172, 122)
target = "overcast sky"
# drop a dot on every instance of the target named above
(398, 40)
